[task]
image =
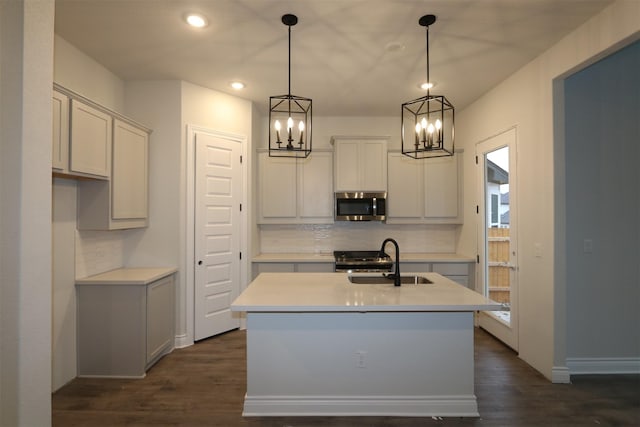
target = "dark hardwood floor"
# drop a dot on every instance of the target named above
(204, 385)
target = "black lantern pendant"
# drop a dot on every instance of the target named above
(427, 122)
(289, 117)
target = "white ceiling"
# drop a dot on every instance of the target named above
(342, 50)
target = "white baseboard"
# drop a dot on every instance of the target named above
(603, 365)
(182, 341)
(560, 375)
(409, 406)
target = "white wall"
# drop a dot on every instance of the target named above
(525, 100)
(92, 252)
(342, 236)
(225, 113)
(168, 107)
(26, 43)
(63, 342)
(602, 105)
(324, 127)
(158, 105)
(75, 70)
(325, 238)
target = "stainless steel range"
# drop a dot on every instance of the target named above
(362, 261)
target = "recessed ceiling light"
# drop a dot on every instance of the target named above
(196, 20)
(237, 85)
(426, 85)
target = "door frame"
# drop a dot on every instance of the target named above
(189, 249)
(506, 333)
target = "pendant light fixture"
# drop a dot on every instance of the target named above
(427, 122)
(289, 117)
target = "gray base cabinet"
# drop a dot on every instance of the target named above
(124, 328)
(459, 272)
(291, 267)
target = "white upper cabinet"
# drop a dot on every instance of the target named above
(406, 187)
(130, 172)
(315, 190)
(295, 191)
(360, 163)
(278, 187)
(424, 191)
(60, 137)
(441, 189)
(81, 138)
(90, 141)
(122, 201)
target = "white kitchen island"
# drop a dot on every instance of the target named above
(320, 345)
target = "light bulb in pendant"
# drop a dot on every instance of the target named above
(301, 129)
(277, 126)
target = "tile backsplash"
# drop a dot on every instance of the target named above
(356, 236)
(98, 251)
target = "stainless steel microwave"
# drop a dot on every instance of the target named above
(360, 206)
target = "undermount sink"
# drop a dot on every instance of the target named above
(381, 280)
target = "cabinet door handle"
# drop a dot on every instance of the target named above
(200, 262)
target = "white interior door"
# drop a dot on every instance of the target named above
(497, 234)
(218, 187)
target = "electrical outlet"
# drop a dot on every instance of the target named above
(361, 359)
(537, 250)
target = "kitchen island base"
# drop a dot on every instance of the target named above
(360, 364)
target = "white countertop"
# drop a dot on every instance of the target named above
(127, 276)
(328, 257)
(332, 292)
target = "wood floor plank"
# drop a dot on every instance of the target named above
(204, 385)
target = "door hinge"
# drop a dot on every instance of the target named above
(240, 207)
(240, 158)
(476, 160)
(477, 259)
(240, 255)
(477, 209)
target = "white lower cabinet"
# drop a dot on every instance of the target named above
(160, 319)
(124, 328)
(296, 191)
(425, 191)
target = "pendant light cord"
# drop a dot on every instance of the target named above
(428, 78)
(289, 60)
(289, 72)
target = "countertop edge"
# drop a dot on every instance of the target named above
(363, 309)
(324, 257)
(128, 276)
(333, 292)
